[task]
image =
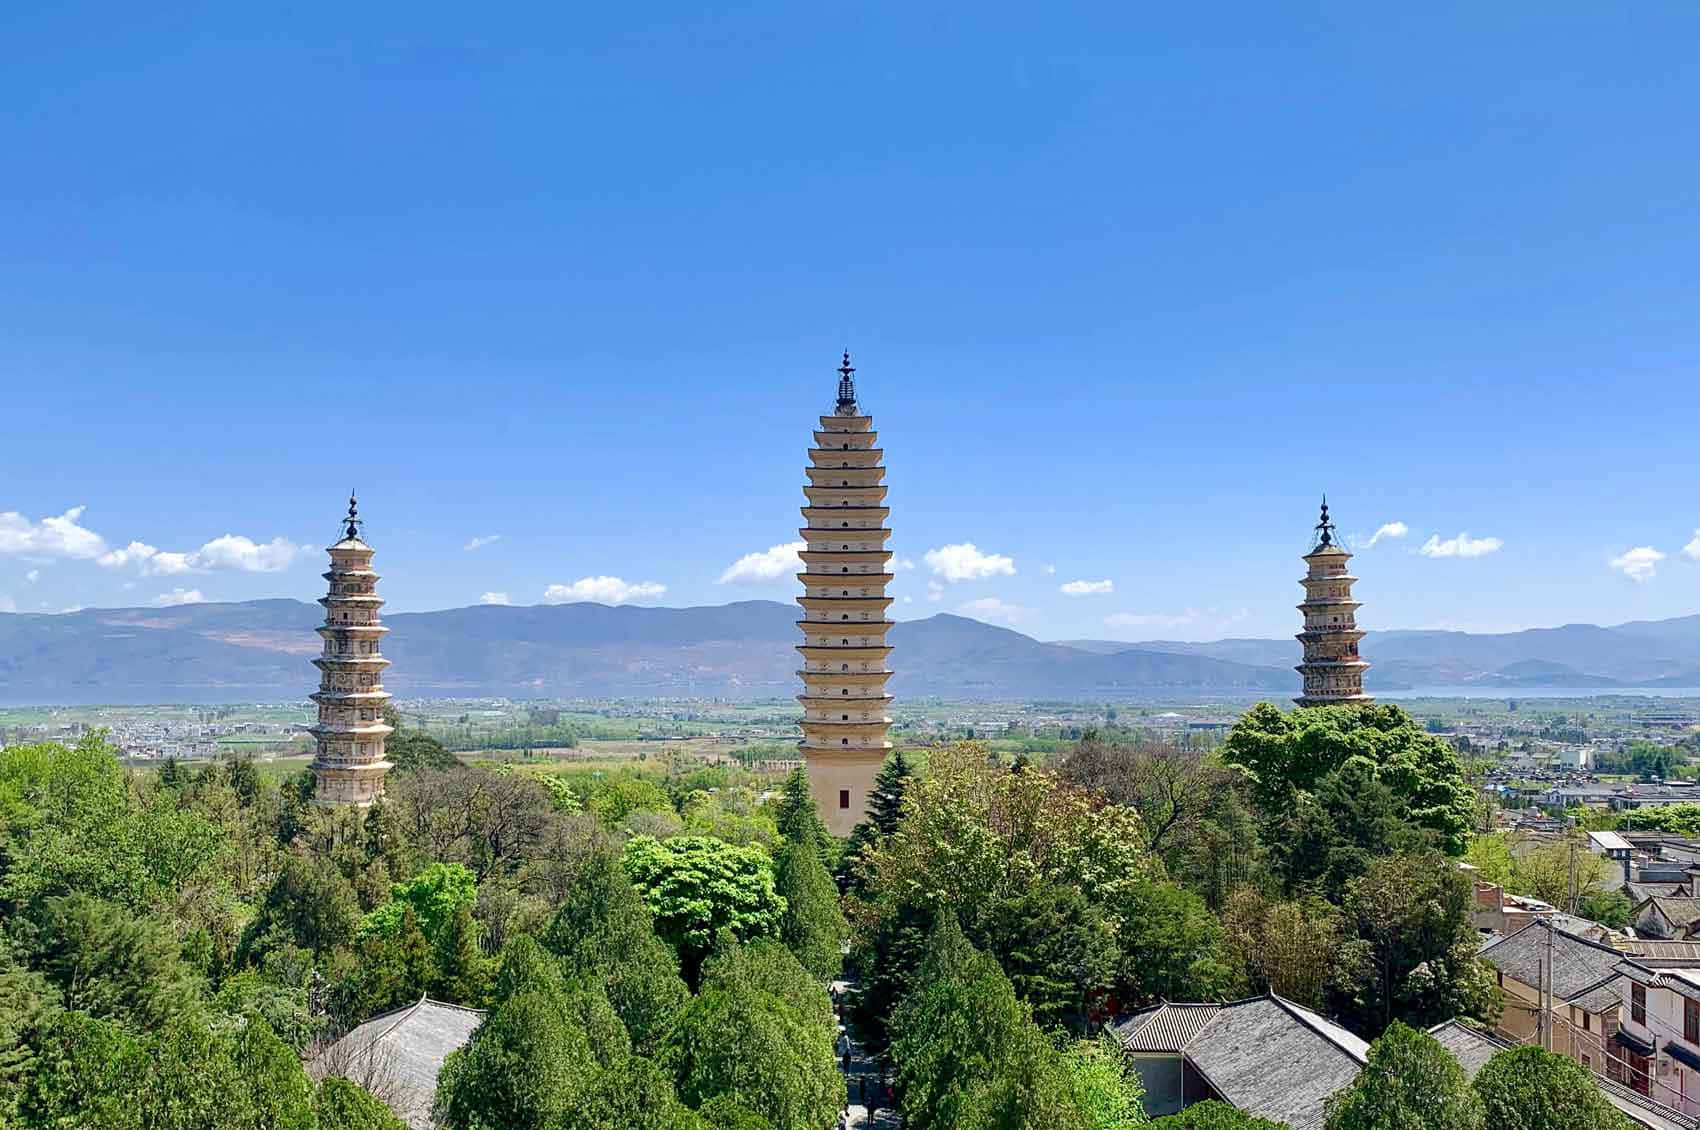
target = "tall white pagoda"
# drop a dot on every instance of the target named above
(350, 766)
(846, 568)
(1333, 672)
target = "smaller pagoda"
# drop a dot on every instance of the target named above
(350, 766)
(1333, 673)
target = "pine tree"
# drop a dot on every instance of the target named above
(797, 816)
(885, 804)
(813, 928)
(461, 971)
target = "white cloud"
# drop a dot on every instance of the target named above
(177, 596)
(965, 562)
(902, 564)
(481, 542)
(494, 598)
(768, 565)
(1461, 546)
(908, 600)
(232, 551)
(935, 591)
(1050, 570)
(1692, 549)
(991, 608)
(1088, 588)
(1148, 620)
(603, 590)
(50, 537)
(1638, 564)
(33, 576)
(1389, 530)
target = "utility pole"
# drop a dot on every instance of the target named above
(1573, 892)
(1546, 994)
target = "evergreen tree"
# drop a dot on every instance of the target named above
(1530, 1088)
(523, 1070)
(341, 1105)
(812, 926)
(461, 973)
(1409, 1080)
(798, 818)
(885, 803)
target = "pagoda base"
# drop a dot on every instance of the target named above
(841, 783)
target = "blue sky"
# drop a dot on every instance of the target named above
(1128, 286)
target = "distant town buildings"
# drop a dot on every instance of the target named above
(846, 567)
(350, 766)
(1332, 671)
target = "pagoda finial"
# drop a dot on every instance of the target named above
(846, 387)
(1324, 527)
(353, 519)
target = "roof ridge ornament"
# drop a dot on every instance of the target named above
(353, 520)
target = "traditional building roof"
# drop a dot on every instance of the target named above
(1578, 965)
(1680, 911)
(398, 1054)
(1661, 953)
(1472, 1047)
(1265, 1056)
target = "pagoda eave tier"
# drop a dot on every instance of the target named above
(846, 625)
(1333, 700)
(827, 422)
(352, 770)
(840, 534)
(873, 752)
(843, 678)
(350, 662)
(354, 698)
(822, 700)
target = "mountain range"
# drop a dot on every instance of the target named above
(260, 651)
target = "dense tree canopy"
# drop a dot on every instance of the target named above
(696, 887)
(1410, 1080)
(1288, 756)
(1530, 1088)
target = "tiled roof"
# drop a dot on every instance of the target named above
(1577, 963)
(1266, 1056)
(1661, 952)
(397, 1055)
(1470, 1046)
(1680, 911)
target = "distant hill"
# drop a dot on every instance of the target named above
(260, 651)
(1644, 653)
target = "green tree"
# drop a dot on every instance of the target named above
(88, 1075)
(767, 967)
(109, 963)
(603, 932)
(393, 969)
(616, 797)
(1031, 1088)
(1170, 945)
(1058, 951)
(1409, 1081)
(341, 1105)
(1215, 1115)
(309, 904)
(697, 887)
(723, 1112)
(433, 895)
(885, 809)
(524, 1069)
(812, 924)
(413, 750)
(635, 1094)
(1530, 1088)
(957, 1025)
(461, 973)
(1410, 952)
(797, 817)
(758, 1050)
(276, 1091)
(1287, 755)
(1105, 1088)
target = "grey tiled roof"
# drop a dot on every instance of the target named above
(1266, 1056)
(1470, 1046)
(1680, 911)
(397, 1055)
(1577, 963)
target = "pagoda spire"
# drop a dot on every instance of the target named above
(845, 619)
(353, 521)
(846, 387)
(1333, 672)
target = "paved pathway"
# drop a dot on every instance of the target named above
(861, 1077)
